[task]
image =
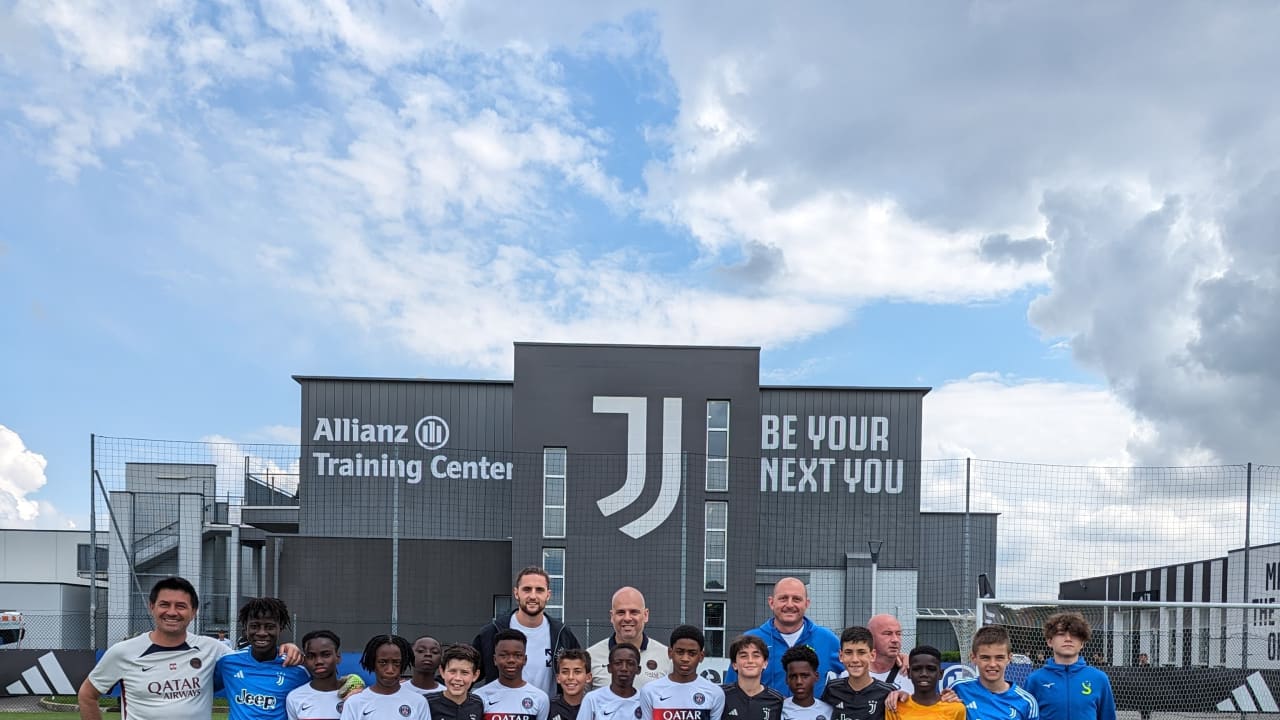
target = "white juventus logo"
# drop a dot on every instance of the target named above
(636, 410)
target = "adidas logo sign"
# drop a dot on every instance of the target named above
(973, 705)
(1244, 701)
(52, 680)
(239, 675)
(733, 712)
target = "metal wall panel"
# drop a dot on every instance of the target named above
(446, 588)
(557, 388)
(824, 514)
(943, 581)
(416, 478)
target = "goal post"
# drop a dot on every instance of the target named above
(1185, 658)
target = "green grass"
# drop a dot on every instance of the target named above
(38, 715)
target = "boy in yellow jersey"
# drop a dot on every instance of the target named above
(925, 703)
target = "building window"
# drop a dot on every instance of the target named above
(553, 563)
(84, 560)
(553, 491)
(717, 533)
(718, 445)
(713, 627)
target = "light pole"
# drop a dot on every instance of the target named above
(874, 546)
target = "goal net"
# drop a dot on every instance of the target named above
(1163, 659)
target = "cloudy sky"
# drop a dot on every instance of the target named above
(1063, 217)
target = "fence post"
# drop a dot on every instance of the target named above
(970, 582)
(684, 534)
(395, 552)
(93, 550)
(1244, 587)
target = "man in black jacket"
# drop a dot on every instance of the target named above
(546, 636)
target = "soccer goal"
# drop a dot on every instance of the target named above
(1168, 658)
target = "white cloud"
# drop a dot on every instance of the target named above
(1053, 460)
(21, 477)
(400, 173)
(1035, 421)
(275, 466)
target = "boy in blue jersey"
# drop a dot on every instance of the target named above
(255, 678)
(989, 696)
(1067, 688)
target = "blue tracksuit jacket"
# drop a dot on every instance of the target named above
(823, 641)
(1072, 692)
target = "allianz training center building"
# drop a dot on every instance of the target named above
(667, 468)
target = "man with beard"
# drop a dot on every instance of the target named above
(629, 616)
(545, 636)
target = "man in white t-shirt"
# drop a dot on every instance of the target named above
(545, 636)
(629, 615)
(165, 673)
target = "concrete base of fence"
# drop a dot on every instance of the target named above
(53, 706)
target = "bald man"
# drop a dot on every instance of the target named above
(789, 627)
(628, 614)
(888, 666)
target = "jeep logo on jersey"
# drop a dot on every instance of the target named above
(432, 432)
(636, 410)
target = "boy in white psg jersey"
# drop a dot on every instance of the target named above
(318, 699)
(800, 663)
(683, 694)
(619, 699)
(511, 697)
(387, 699)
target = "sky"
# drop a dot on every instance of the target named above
(1064, 218)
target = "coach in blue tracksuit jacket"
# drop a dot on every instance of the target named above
(789, 627)
(1072, 692)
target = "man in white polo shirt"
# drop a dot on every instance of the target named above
(629, 616)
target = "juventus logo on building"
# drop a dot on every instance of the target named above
(636, 410)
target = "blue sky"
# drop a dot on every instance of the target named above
(1059, 216)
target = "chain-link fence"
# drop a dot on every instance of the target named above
(368, 537)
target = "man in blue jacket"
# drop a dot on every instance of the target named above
(1067, 688)
(788, 628)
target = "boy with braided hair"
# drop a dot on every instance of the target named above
(255, 678)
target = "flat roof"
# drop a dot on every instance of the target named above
(533, 343)
(864, 388)
(347, 378)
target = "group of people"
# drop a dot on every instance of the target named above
(530, 666)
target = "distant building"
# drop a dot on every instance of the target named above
(1187, 637)
(44, 575)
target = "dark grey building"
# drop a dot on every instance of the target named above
(667, 468)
